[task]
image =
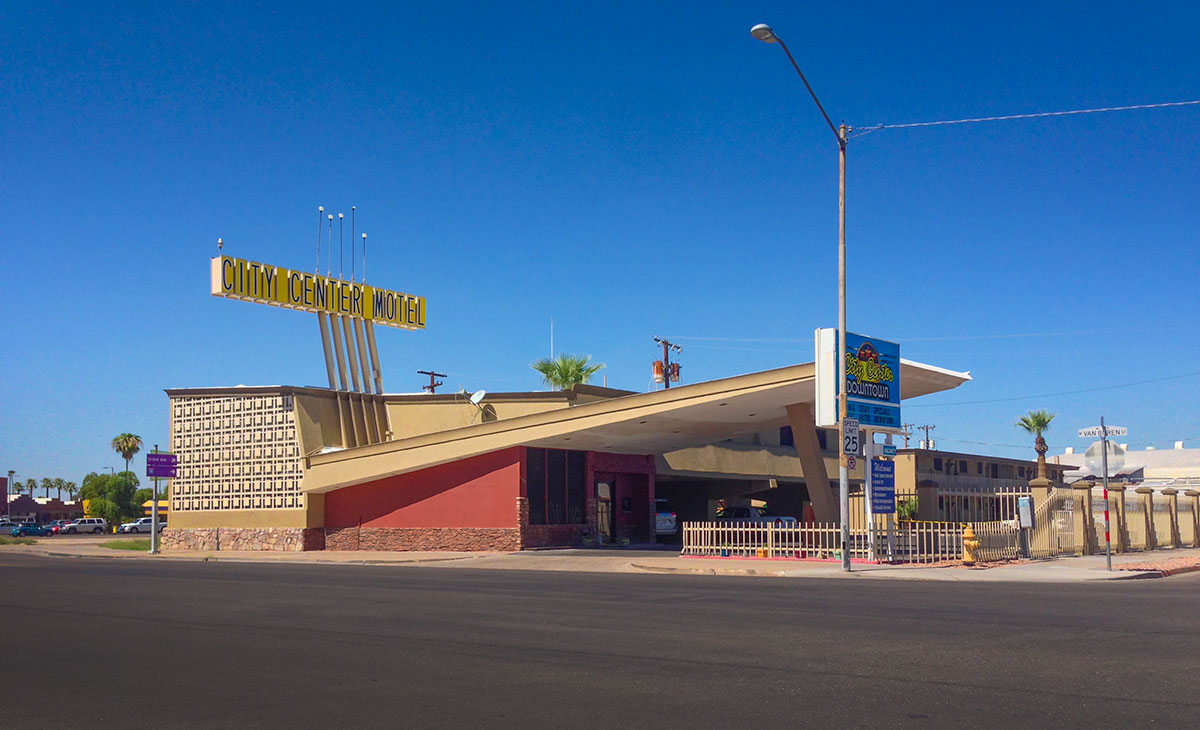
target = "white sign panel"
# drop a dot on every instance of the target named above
(850, 437)
(1096, 432)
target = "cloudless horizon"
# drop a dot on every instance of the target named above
(624, 170)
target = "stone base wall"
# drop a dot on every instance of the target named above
(290, 539)
(462, 539)
(553, 535)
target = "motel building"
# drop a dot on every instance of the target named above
(353, 467)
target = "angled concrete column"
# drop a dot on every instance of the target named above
(1173, 509)
(812, 462)
(1194, 513)
(1146, 501)
(1085, 534)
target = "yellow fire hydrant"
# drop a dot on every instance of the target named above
(970, 545)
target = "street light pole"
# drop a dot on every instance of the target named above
(764, 33)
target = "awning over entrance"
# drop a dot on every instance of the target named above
(643, 423)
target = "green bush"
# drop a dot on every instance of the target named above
(907, 509)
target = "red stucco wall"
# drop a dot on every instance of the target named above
(476, 492)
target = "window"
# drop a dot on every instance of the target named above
(555, 486)
(995, 471)
(962, 466)
(979, 467)
(786, 438)
(1020, 471)
(937, 463)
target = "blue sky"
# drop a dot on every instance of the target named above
(628, 170)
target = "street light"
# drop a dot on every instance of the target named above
(763, 32)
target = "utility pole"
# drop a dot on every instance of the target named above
(928, 442)
(668, 373)
(433, 382)
(906, 431)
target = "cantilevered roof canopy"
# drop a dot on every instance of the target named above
(642, 423)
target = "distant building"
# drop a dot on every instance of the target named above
(1178, 468)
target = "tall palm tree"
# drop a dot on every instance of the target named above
(60, 484)
(47, 485)
(1037, 423)
(566, 370)
(127, 444)
(30, 485)
(72, 490)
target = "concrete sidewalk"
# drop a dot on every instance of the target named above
(1068, 569)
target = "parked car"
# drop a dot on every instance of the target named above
(8, 525)
(94, 525)
(32, 529)
(55, 525)
(143, 524)
(664, 518)
(753, 514)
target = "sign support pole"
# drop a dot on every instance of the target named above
(154, 513)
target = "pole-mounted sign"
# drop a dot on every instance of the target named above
(872, 380)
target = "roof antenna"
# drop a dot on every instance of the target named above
(329, 260)
(364, 239)
(352, 236)
(341, 256)
(220, 246)
(320, 214)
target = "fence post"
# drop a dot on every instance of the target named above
(1116, 507)
(1173, 509)
(1085, 533)
(1195, 515)
(1146, 497)
(927, 501)
(1039, 490)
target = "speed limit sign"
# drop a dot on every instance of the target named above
(850, 443)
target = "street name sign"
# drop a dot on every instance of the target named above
(162, 466)
(1096, 432)
(889, 449)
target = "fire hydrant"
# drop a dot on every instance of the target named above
(970, 545)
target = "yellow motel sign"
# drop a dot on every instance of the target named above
(235, 278)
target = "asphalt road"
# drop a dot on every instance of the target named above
(131, 644)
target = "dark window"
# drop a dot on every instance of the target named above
(1020, 471)
(785, 436)
(535, 485)
(995, 471)
(556, 487)
(962, 466)
(823, 439)
(937, 464)
(979, 467)
(576, 479)
(555, 484)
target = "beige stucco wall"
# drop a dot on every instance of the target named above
(411, 418)
(251, 518)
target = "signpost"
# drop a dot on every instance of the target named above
(850, 437)
(158, 466)
(1104, 432)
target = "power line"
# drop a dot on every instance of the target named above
(1051, 395)
(1036, 115)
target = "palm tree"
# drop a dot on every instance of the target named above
(60, 484)
(1037, 423)
(566, 370)
(72, 490)
(30, 485)
(47, 485)
(127, 444)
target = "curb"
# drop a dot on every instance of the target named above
(709, 571)
(216, 558)
(1163, 572)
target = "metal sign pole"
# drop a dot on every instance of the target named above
(154, 514)
(1104, 468)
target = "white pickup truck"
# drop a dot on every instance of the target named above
(752, 514)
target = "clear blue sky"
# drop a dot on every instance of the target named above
(629, 170)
